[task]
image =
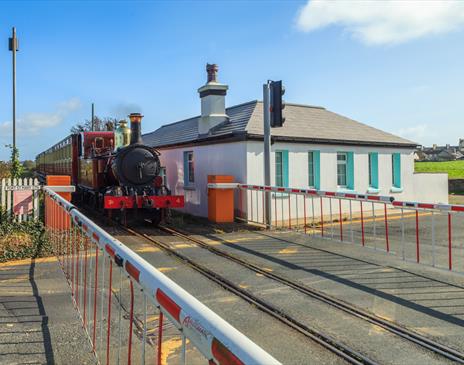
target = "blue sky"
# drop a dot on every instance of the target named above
(377, 65)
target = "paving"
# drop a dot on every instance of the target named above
(368, 279)
(279, 340)
(38, 323)
(421, 298)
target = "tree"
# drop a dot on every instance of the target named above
(16, 169)
(5, 169)
(100, 124)
(28, 168)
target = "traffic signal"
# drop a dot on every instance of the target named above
(277, 103)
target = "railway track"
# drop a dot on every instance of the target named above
(342, 350)
(394, 328)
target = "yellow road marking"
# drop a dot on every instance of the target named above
(288, 250)
(28, 261)
(166, 269)
(169, 347)
(147, 249)
(183, 245)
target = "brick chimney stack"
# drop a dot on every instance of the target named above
(213, 101)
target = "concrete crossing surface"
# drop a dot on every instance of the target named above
(38, 324)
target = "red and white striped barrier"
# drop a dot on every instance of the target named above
(417, 205)
(334, 214)
(218, 341)
(342, 195)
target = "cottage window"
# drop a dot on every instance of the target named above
(163, 175)
(281, 168)
(189, 168)
(341, 169)
(396, 170)
(311, 180)
(374, 170)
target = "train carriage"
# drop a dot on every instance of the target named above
(112, 171)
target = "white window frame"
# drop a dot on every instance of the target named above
(190, 166)
(311, 170)
(344, 163)
(281, 154)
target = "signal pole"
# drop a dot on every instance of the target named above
(13, 47)
(267, 150)
(93, 117)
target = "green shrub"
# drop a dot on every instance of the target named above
(23, 240)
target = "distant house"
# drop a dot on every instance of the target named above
(316, 148)
(440, 153)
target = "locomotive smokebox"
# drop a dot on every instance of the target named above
(136, 128)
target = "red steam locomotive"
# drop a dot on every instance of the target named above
(113, 171)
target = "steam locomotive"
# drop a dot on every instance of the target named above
(113, 171)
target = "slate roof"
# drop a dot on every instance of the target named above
(303, 123)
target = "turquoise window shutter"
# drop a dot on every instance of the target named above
(185, 168)
(374, 156)
(397, 170)
(350, 170)
(285, 167)
(317, 169)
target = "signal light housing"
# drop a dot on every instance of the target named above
(277, 90)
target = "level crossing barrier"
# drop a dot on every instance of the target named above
(130, 311)
(431, 234)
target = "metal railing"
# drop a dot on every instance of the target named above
(130, 311)
(425, 233)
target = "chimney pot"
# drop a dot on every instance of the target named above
(211, 70)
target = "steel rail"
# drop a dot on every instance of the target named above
(395, 328)
(350, 355)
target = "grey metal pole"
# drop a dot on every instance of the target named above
(93, 117)
(14, 48)
(267, 150)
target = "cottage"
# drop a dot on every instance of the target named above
(315, 148)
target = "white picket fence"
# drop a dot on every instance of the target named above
(20, 198)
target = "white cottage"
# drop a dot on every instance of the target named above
(315, 148)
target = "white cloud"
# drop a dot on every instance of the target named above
(376, 22)
(33, 123)
(415, 133)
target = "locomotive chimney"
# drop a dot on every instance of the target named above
(136, 128)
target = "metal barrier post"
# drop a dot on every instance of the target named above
(289, 212)
(95, 299)
(417, 237)
(433, 239)
(351, 223)
(131, 320)
(362, 222)
(108, 330)
(340, 217)
(304, 207)
(450, 259)
(322, 219)
(160, 335)
(386, 227)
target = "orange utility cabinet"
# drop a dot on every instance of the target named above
(220, 200)
(60, 180)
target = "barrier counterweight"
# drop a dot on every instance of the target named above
(130, 310)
